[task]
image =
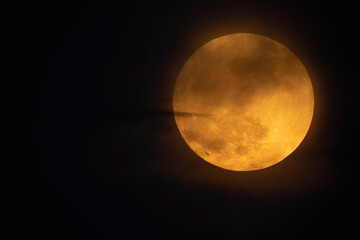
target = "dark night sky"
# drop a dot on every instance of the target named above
(100, 156)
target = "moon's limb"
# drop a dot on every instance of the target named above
(258, 97)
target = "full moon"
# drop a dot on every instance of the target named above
(248, 102)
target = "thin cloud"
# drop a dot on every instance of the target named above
(134, 115)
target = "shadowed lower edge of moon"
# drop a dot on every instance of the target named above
(247, 146)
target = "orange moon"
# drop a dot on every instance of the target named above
(248, 101)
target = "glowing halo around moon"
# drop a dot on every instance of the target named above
(249, 102)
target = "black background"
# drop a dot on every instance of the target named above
(100, 156)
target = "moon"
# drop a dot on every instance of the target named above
(248, 100)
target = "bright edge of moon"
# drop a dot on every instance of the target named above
(250, 102)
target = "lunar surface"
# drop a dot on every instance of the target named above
(249, 102)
